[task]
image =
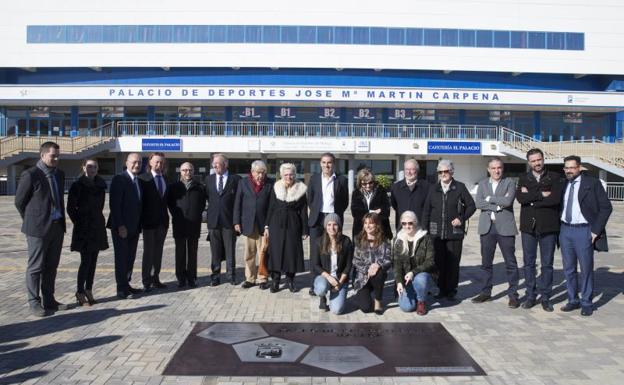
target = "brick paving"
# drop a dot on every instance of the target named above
(131, 341)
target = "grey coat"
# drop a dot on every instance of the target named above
(500, 202)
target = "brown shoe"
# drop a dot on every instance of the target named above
(421, 308)
(82, 299)
(90, 297)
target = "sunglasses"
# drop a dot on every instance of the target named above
(444, 172)
(367, 183)
(407, 223)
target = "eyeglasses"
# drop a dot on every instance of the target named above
(407, 223)
(367, 183)
(440, 172)
(186, 170)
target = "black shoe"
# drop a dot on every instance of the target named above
(570, 307)
(54, 305)
(451, 295)
(513, 303)
(587, 311)
(133, 290)
(264, 285)
(39, 311)
(247, 285)
(291, 286)
(192, 283)
(481, 298)
(215, 282)
(122, 294)
(233, 281)
(311, 292)
(323, 304)
(378, 311)
(146, 289)
(181, 284)
(528, 303)
(159, 285)
(547, 306)
(440, 295)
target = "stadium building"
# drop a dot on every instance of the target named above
(373, 82)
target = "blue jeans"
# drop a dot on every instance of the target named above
(547, 252)
(577, 248)
(337, 299)
(416, 290)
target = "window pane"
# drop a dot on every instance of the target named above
(111, 34)
(307, 35)
(519, 39)
(575, 41)
(414, 36)
(396, 36)
(537, 40)
(253, 34)
(484, 38)
(325, 35)
(467, 38)
(236, 34)
(450, 37)
(379, 36)
(270, 34)
(432, 36)
(145, 34)
(217, 34)
(182, 34)
(554, 40)
(289, 34)
(361, 35)
(343, 35)
(501, 39)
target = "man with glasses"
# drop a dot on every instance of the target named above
(585, 212)
(409, 194)
(497, 225)
(539, 195)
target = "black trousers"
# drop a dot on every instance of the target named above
(223, 247)
(374, 286)
(86, 270)
(44, 255)
(153, 244)
(507, 245)
(316, 232)
(447, 256)
(186, 259)
(125, 254)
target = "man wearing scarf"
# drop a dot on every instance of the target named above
(39, 200)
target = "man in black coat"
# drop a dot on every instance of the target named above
(250, 211)
(409, 194)
(124, 222)
(585, 211)
(221, 191)
(39, 200)
(155, 220)
(187, 200)
(539, 195)
(327, 193)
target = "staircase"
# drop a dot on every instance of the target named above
(607, 156)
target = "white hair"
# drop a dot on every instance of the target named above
(258, 165)
(413, 161)
(445, 163)
(402, 234)
(287, 166)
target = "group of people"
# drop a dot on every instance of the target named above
(275, 217)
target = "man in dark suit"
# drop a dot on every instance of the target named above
(585, 212)
(39, 200)
(539, 195)
(409, 194)
(155, 220)
(124, 222)
(221, 191)
(250, 211)
(327, 193)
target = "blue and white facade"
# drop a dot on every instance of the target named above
(372, 81)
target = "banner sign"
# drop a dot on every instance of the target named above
(289, 94)
(455, 148)
(171, 145)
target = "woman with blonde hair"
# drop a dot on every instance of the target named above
(414, 266)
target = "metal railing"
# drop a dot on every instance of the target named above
(615, 191)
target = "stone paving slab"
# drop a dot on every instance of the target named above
(131, 341)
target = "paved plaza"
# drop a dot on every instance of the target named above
(131, 341)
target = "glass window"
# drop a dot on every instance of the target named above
(182, 34)
(307, 35)
(432, 36)
(213, 113)
(519, 39)
(325, 35)
(379, 36)
(289, 34)
(555, 40)
(217, 34)
(501, 39)
(467, 38)
(35, 34)
(76, 34)
(164, 33)
(110, 34)
(147, 34)
(574, 41)
(236, 34)
(55, 34)
(414, 36)
(253, 34)
(201, 33)
(484, 38)
(450, 37)
(537, 40)
(361, 35)
(396, 36)
(270, 34)
(342, 35)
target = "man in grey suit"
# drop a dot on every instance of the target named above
(39, 200)
(495, 197)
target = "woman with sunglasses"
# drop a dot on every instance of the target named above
(412, 258)
(371, 260)
(447, 208)
(85, 203)
(369, 197)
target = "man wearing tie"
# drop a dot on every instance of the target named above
(221, 191)
(124, 222)
(585, 212)
(327, 193)
(155, 220)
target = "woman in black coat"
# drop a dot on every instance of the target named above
(286, 227)
(85, 203)
(370, 197)
(186, 200)
(447, 208)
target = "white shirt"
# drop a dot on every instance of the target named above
(164, 184)
(494, 184)
(334, 263)
(217, 176)
(135, 182)
(327, 185)
(577, 215)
